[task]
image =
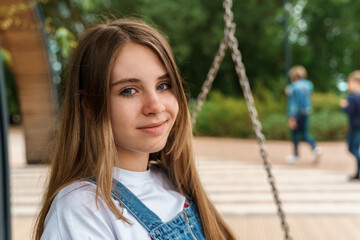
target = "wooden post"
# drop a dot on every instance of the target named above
(27, 46)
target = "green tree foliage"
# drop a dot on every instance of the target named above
(194, 28)
(11, 93)
(326, 40)
(324, 36)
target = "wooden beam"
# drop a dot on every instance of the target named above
(32, 69)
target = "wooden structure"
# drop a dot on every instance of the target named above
(22, 35)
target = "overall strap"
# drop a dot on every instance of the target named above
(147, 218)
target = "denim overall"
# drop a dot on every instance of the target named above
(185, 226)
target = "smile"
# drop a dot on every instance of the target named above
(155, 129)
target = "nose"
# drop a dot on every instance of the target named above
(152, 104)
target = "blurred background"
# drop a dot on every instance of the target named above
(321, 35)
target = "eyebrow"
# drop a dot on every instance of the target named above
(136, 80)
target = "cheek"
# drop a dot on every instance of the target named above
(174, 113)
(120, 115)
(113, 111)
(174, 106)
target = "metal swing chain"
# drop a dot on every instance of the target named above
(231, 42)
(209, 79)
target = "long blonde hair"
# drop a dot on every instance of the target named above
(84, 145)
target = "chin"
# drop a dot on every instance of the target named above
(156, 148)
(145, 147)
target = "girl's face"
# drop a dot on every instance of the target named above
(143, 107)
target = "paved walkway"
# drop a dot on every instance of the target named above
(319, 201)
(241, 188)
(335, 155)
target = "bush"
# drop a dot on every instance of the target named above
(225, 117)
(228, 117)
(326, 125)
(326, 102)
(275, 127)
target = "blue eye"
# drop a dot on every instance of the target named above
(164, 86)
(128, 91)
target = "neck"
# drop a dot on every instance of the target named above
(132, 161)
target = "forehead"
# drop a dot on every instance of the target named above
(135, 59)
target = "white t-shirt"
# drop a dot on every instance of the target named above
(74, 214)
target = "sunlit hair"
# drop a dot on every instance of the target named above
(297, 72)
(354, 76)
(84, 145)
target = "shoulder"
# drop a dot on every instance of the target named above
(76, 197)
(76, 213)
(83, 191)
(303, 85)
(354, 97)
(304, 81)
(80, 198)
(309, 82)
(296, 85)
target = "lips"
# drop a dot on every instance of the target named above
(154, 128)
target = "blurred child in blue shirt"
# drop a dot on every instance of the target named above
(351, 106)
(298, 111)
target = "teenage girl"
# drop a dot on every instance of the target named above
(122, 163)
